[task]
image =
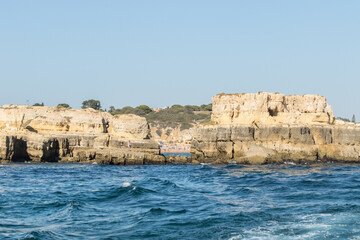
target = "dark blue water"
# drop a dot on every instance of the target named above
(79, 201)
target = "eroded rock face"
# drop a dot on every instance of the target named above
(45, 119)
(47, 134)
(50, 119)
(273, 128)
(270, 108)
(129, 126)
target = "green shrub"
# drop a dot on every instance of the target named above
(158, 132)
(64, 105)
(206, 107)
(192, 108)
(38, 104)
(168, 132)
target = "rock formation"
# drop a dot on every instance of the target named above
(274, 128)
(245, 128)
(270, 108)
(48, 134)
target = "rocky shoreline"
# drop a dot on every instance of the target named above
(255, 128)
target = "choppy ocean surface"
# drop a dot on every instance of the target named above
(81, 201)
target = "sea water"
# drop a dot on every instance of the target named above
(186, 154)
(84, 201)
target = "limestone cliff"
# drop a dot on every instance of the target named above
(270, 108)
(273, 128)
(49, 134)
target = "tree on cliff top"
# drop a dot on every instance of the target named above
(112, 109)
(38, 104)
(64, 105)
(91, 103)
(143, 110)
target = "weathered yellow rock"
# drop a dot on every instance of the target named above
(195, 162)
(49, 119)
(58, 134)
(273, 128)
(128, 126)
(270, 108)
(45, 119)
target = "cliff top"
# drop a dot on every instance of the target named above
(264, 107)
(58, 119)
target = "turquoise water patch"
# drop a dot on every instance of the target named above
(177, 154)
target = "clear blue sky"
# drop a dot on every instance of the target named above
(162, 53)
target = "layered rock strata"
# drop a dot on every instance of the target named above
(48, 134)
(274, 128)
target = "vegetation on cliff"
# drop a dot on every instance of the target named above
(95, 104)
(63, 105)
(141, 110)
(173, 116)
(353, 119)
(38, 104)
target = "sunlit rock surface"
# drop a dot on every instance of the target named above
(248, 108)
(273, 128)
(48, 134)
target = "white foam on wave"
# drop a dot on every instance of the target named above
(289, 163)
(236, 237)
(307, 227)
(126, 184)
